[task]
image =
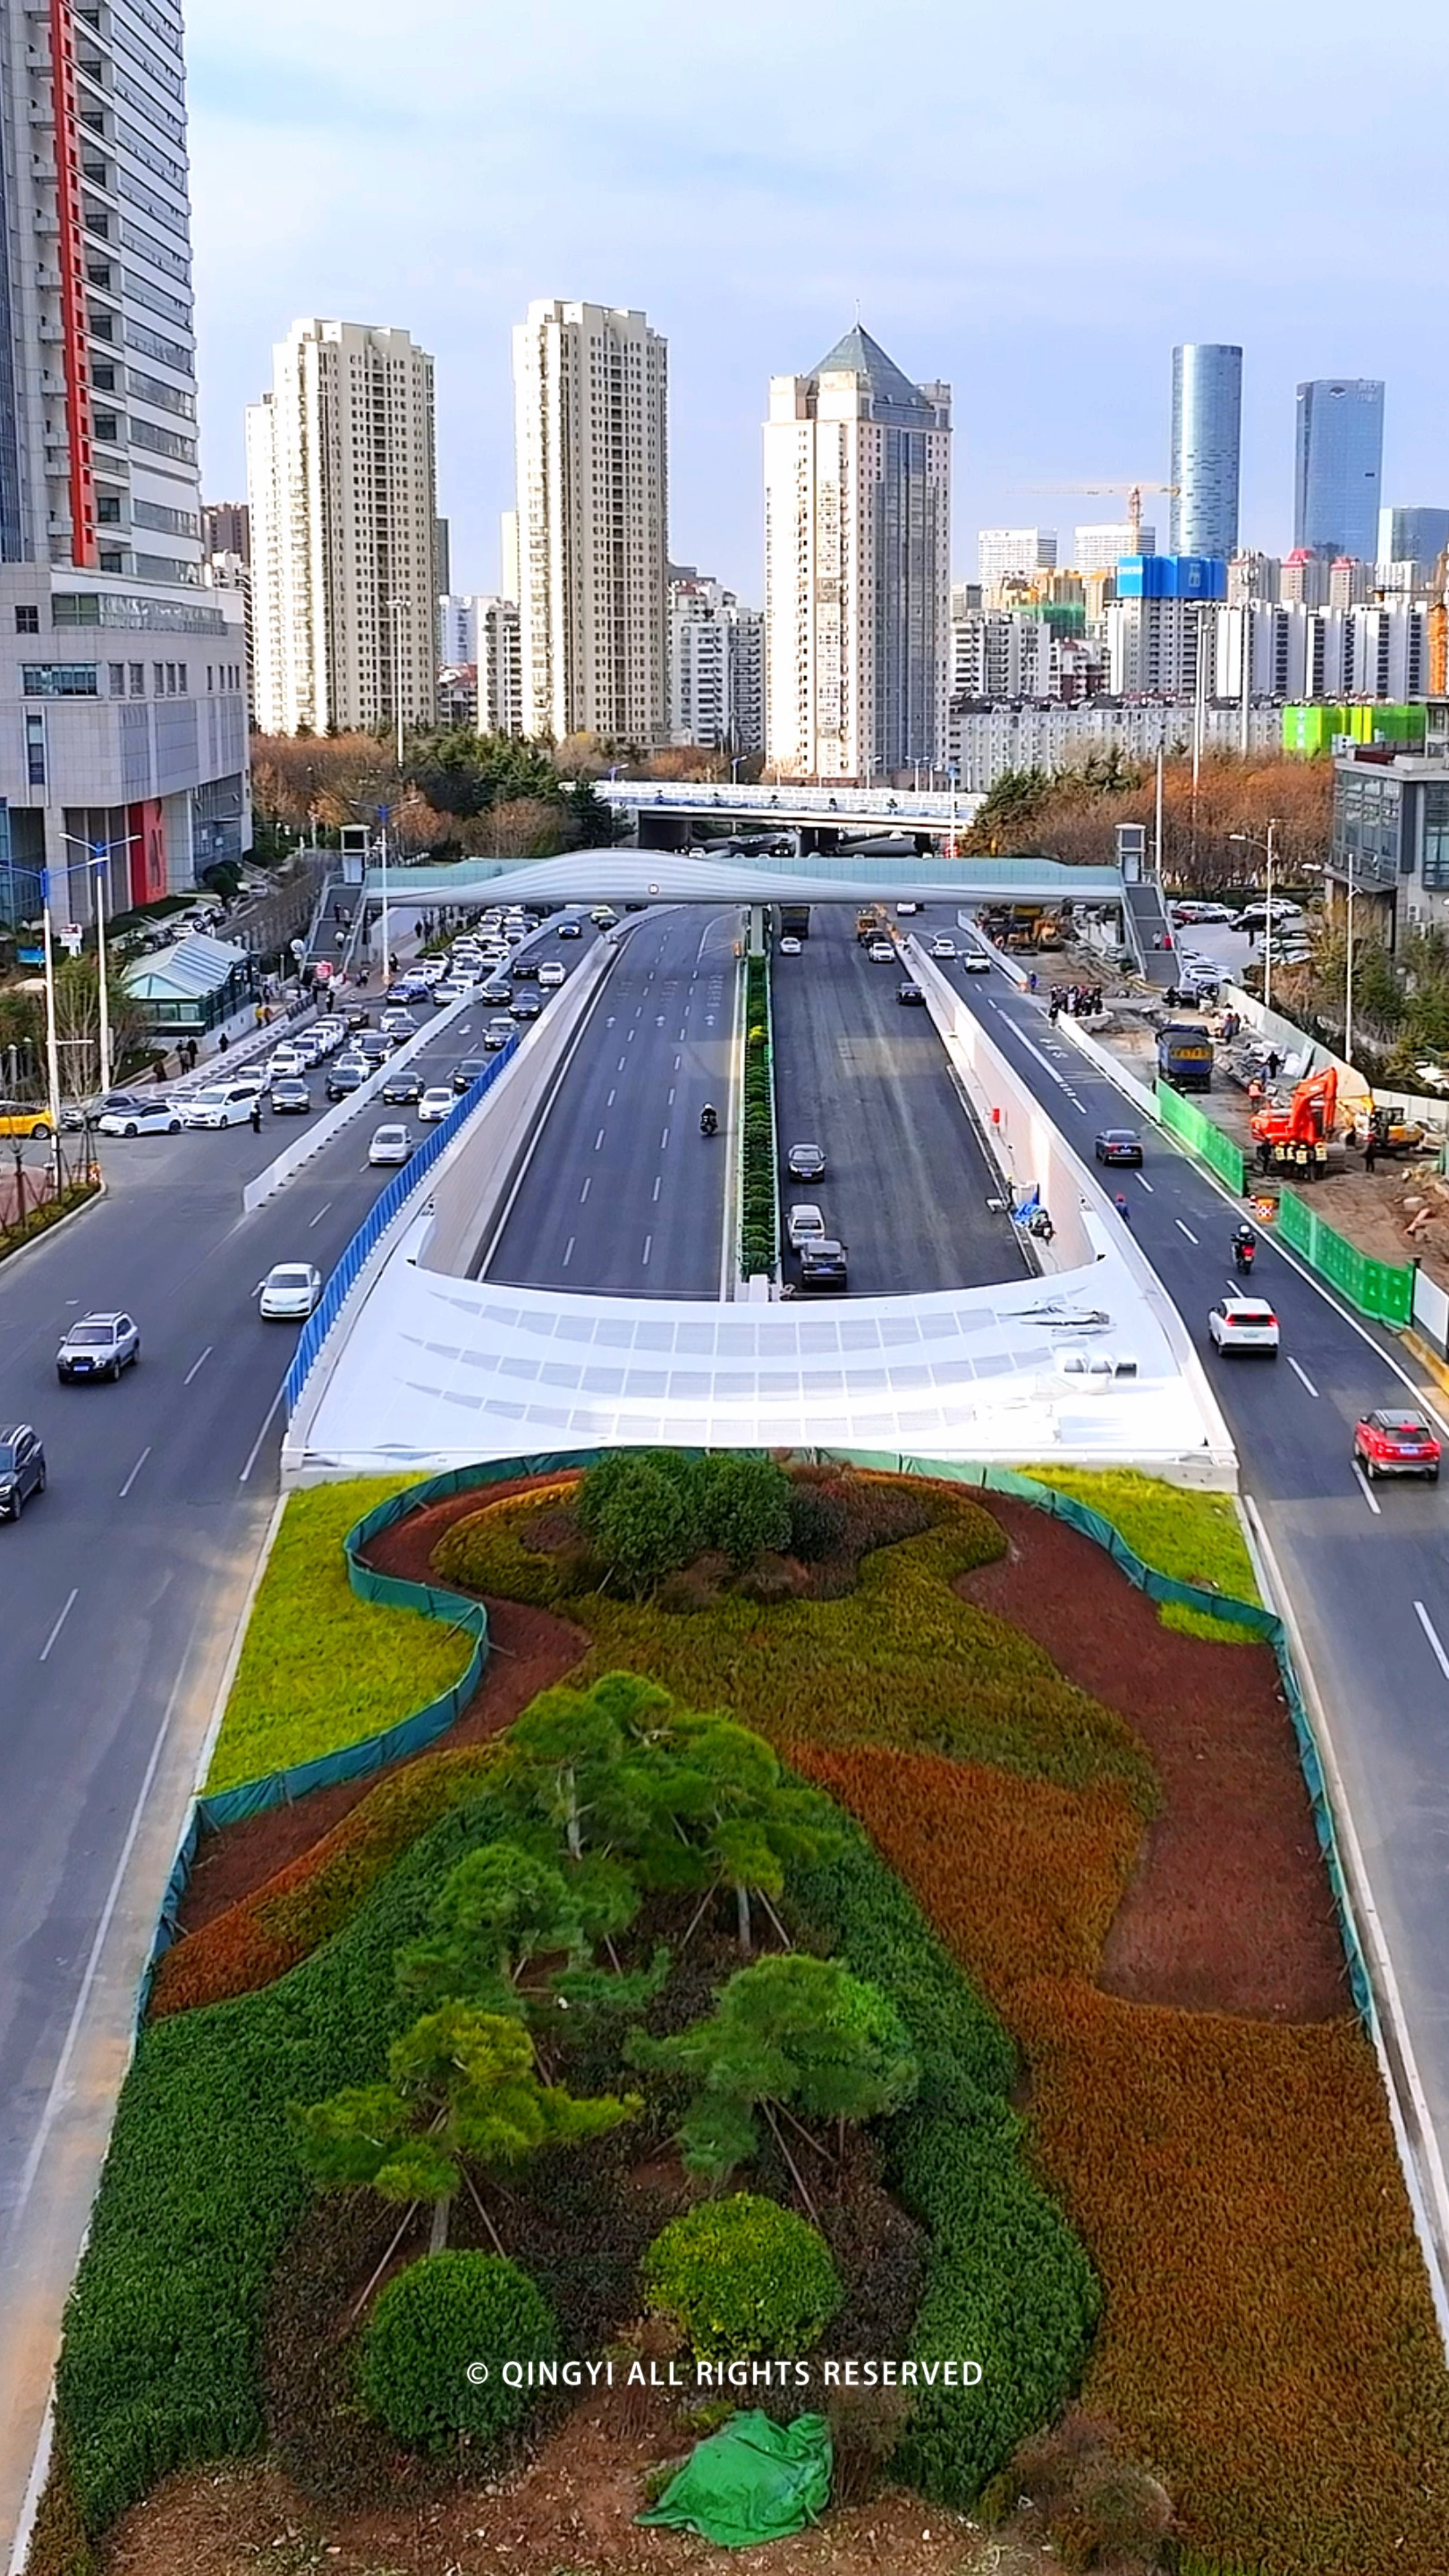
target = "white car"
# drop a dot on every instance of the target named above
(286, 1060)
(1246, 1325)
(451, 989)
(907, 907)
(251, 1077)
(159, 1117)
(976, 962)
(804, 1223)
(289, 1292)
(790, 947)
(220, 1104)
(436, 1103)
(881, 953)
(551, 974)
(390, 1145)
(943, 947)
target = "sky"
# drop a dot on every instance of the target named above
(1033, 207)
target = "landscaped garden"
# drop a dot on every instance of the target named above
(848, 1923)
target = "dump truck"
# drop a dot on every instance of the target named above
(795, 921)
(1185, 1056)
(1296, 1138)
(869, 923)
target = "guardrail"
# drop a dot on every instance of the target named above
(379, 1217)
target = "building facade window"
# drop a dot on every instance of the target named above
(27, 621)
(60, 679)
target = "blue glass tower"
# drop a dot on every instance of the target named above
(1338, 466)
(1207, 411)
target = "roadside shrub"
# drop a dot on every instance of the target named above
(867, 2426)
(744, 1505)
(743, 2276)
(643, 1529)
(1085, 2498)
(818, 1523)
(429, 2324)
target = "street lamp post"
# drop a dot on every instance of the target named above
(1251, 840)
(1348, 975)
(99, 862)
(52, 1043)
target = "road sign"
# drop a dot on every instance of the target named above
(72, 938)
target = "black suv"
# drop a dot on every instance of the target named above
(22, 1469)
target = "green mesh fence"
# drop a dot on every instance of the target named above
(1384, 1289)
(1199, 1133)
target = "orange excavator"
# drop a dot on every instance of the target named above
(1295, 1139)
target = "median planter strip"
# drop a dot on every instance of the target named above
(759, 1161)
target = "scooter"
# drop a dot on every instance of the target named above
(708, 1122)
(1245, 1252)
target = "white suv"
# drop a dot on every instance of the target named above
(1246, 1325)
(221, 1104)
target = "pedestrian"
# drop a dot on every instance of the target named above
(1370, 1150)
(1274, 1060)
(1054, 1008)
(417, 930)
(1123, 1210)
(257, 1115)
(1031, 983)
(223, 1042)
(341, 938)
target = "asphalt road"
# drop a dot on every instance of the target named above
(622, 1196)
(121, 1586)
(867, 1079)
(1367, 1569)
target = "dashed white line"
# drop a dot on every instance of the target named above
(664, 1139)
(1145, 1183)
(1303, 1374)
(1366, 1489)
(609, 1103)
(678, 1061)
(669, 1103)
(1432, 1633)
(568, 1252)
(598, 1140)
(658, 1184)
(135, 1471)
(70, 1602)
(584, 1192)
(619, 1067)
(321, 1212)
(648, 1247)
(198, 1364)
(1184, 1229)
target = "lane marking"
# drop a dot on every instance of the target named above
(664, 1139)
(678, 1061)
(1146, 1184)
(135, 1471)
(70, 1602)
(669, 1103)
(1303, 1374)
(598, 1140)
(658, 1180)
(1432, 1633)
(648, 1246)
(255, 1450)
(1184, 1229)
(321, 1212)
(584, 1192)
(198, 1364)
(1366, 1489)
(568, 1252)
(609, 1103)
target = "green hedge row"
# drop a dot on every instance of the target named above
(160, 2366)
(759, 1194)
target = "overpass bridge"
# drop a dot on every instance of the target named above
(665, 810)
(669, 876)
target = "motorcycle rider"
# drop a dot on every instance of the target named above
(708, 1119)
(1245, 1246)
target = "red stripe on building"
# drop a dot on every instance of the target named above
(72, 284)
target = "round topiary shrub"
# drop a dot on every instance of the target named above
(743, 2276)
(439, 2316)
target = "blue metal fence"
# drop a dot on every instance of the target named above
(377, 1220)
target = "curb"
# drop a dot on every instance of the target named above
(1426, 1355)
(48, 1232)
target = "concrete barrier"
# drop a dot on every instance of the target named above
(320, 1134)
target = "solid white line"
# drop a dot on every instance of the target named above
(1366, 1489)
(648, 1246)
(70, 1602)
(261, 1435)
(197, 1364)
(1184, 1229)
(135, 1472)
(1431, 1632)
(321, 1212)
(1303, 1373)
(1145, 1183)
(584, 1192)
(568, 1252)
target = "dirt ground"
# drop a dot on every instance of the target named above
(1229, 1910)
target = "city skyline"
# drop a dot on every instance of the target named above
(358, 194)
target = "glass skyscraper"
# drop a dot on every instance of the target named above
(1207, 408)
(1338, 466)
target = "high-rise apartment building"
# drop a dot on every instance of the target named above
(342, 481)
(481, 634)
(1338, 466)
(716, 666)
(591, 387)
(1100, 547)
(1253, 576)
(1410, 543)
(1013, 554)
(123, 750)
(857, 567)
(1207, 411)
(226, 529)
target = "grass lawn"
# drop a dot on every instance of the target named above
(321, 1669)
(1195, 1537)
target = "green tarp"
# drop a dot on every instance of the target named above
(754, 2480)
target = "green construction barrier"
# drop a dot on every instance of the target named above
(1202, 1136)
(356, 1761)
(1384, 1289)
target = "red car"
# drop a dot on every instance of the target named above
(1391, 1443)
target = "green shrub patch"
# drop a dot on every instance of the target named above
(743, 2276)
(434, 2329)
